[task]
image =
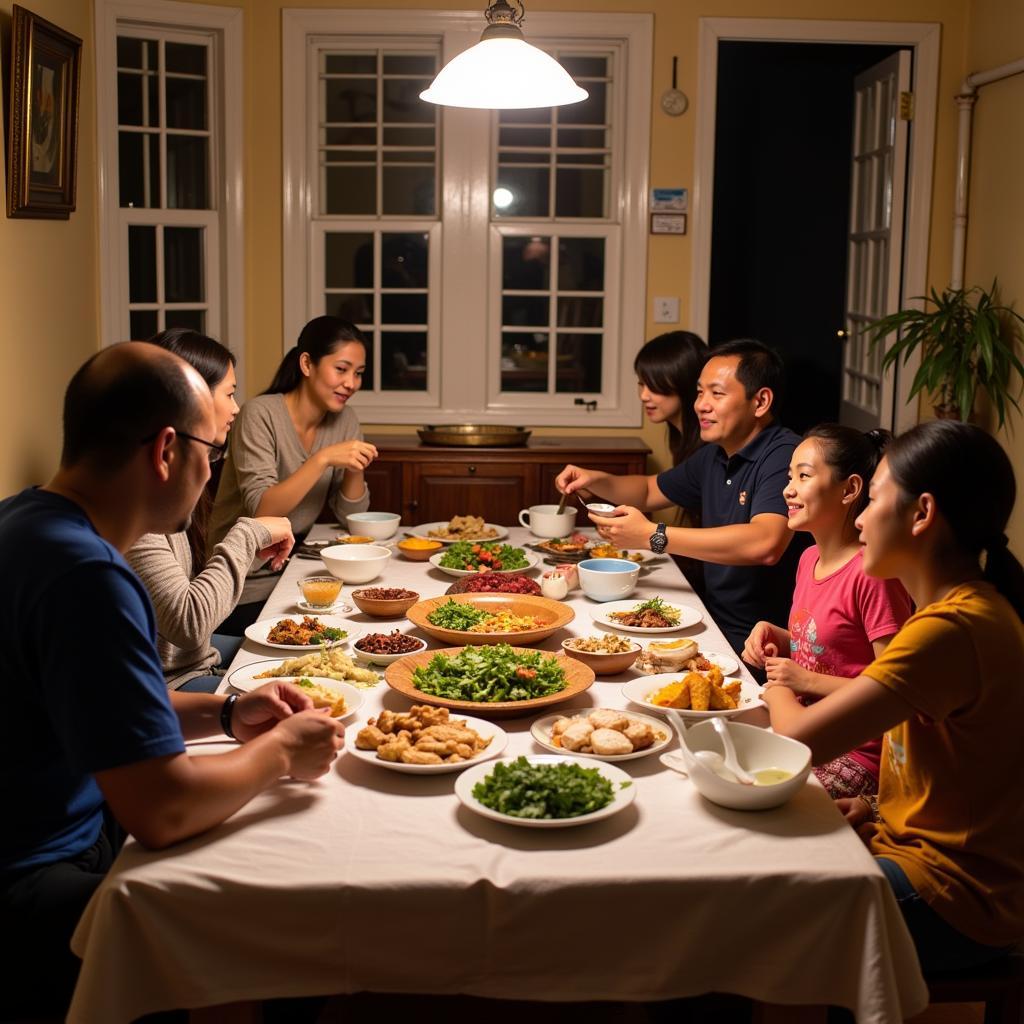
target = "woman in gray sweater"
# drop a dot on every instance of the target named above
(296, 447)
(190, 592)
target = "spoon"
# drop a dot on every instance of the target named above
(731, 761)
(714, 762)
(561, 504)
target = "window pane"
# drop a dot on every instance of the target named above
(526, 263)
(403, 309)
(350, 137)
(141, 266)
(350, 63)
(402, 100)
(187, 172)
(578, 365)
(403, 361)
(529, 188)
(409, 136)
(524, 310)
(580, 312)
(524, 137)
(581, 264)
(351, 99)
(138, 169)
(137, 99)
(193, 319)
(409, 64)
(574, 159)
(357, 309)
(187, 58)
(137, 53)
(530, 115)
(348, 260)
(371, 360)
(579, 65)
(350, 190)
(585, 138)
(142, 324)
(409, 190)
(183, 265)
(592, 110)
(524, 362)
(404, 260)
(579, 193)
(186, 103)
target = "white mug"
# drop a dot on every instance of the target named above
(544, 520)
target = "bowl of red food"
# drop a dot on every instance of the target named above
(384, 602)
(384, 648)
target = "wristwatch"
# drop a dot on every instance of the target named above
(659, 539)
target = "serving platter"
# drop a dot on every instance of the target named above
(398, 676)
(531, 562)
(540, 730)
(423, 532)
(555, 614)
(639, 690)
(688, 616)
(258, 631)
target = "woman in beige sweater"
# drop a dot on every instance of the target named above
(296, 447)
(191, 593)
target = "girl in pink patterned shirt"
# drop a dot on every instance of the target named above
(841, 619)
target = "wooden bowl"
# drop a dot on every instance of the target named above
(419, 554)
(555, 615)
(387, 609)
(399, 677)
(604, 664)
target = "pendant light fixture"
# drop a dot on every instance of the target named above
(503, 71)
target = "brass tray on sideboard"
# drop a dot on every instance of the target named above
(470, 435)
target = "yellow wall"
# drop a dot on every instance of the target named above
(48, 288)
(996, 213)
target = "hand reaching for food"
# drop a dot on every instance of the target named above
(627, 528)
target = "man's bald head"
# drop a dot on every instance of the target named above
(123, 395)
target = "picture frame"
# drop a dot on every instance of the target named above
(668, 223)
(42, 123)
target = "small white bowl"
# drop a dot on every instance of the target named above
(355, 563)
(608, 579)
(756, 749)
(386, 659)
(378, 525)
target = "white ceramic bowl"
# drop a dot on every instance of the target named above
(355, 563)
(756, 749)
(608, 579)
(378, 525)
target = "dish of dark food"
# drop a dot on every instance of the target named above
(388, 643)
(492, 583)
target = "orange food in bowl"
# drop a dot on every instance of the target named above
(419, 544)
(354, 540)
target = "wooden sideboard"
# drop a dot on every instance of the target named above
(429, 484)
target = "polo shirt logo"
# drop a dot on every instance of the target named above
(743, 497)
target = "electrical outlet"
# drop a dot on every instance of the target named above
(666, 310)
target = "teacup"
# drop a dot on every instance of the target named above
(320, 591)
(545, 520)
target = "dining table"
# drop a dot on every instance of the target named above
(371, 880)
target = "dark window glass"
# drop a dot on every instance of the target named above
(578, 366)
(350, 64)
(409, 190)
(350, 137)
(350, 190)
(371, 359)
(187, 172)
(581, 264)
(356, 308)
(404, 260)
(576, 64)
(193, 319)
(596, 159)
(138, 162)
(129, 98)
(186, 58)
(403, 361)
(142, 324)
(525, 311)
(409, 136)
(579, 192)
(141, 265)
(529, 188)
(588, 111)
(530, 115)
(402, 101)
(524, 362)
(351, 99)
(403, 309)
(583, 138)
(524, 136)
(526, 263)
(577, 312)
(183, 265)
(186, 103)
(348, 259)
(409, 64)
(129, 52)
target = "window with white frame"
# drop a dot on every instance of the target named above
(531, 214)
(166, 157)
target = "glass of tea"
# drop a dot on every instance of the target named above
(320, 591)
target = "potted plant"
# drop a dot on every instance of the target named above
(966, 340)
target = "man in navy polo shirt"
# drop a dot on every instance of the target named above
(736, 481)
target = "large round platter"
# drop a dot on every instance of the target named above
(353, 697)
(623, 794)
(540, 730)
(688, 616)
(424, 532)
(399, 677)
(639, 689)
(258, 631)
(554, 613)
(499, 739)
(435, 561)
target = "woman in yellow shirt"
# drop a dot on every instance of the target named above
(948, 694)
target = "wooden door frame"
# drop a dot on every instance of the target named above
(921, 37)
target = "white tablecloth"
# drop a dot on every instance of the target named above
(369, 880)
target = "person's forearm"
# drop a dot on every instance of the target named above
(820, 684)
(353, 484)
(283, 498)
(742, 544)
(198, 713)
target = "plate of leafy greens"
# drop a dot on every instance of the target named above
(545, 791)
(492, 681)
(468, 558)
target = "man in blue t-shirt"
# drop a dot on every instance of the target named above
(89, 732)
(735, 480)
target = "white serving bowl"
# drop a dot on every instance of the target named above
(608, 579)
(756, 749)
(378, 525)
(355, 563)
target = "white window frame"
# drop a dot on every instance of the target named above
(223, 223)
(466, 365)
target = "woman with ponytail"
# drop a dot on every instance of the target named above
(946, 829)
(298, 446)
(841, 618)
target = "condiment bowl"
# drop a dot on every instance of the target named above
(417, 553)
(386, 608)
(608, 579)
(387, 659)
(355, 563)
(756, 749)
(378, 525)
(603, 664)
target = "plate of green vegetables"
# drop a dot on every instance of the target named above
(469, 558)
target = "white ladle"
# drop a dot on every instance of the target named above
(731, 761)
(710, 759)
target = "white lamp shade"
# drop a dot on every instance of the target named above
(503, 74)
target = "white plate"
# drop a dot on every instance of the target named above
(541, 732)
(353, 697)
(728, 663)
(616, 776)
(244, 678)
(424, 532)
(258, 631)
(688, 616)
(498, 740)
(365, 658)
(435, 561)
(639, 689)
(308, 609)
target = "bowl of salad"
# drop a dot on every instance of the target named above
(477, 619)
(469, 558)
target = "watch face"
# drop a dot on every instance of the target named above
(658, 540)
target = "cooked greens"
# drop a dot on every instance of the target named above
(455, 615)
(544, 790)
(489, 674)
(483, 557)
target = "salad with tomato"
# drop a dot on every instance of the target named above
(474, 557)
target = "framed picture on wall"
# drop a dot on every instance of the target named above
(42, 123)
